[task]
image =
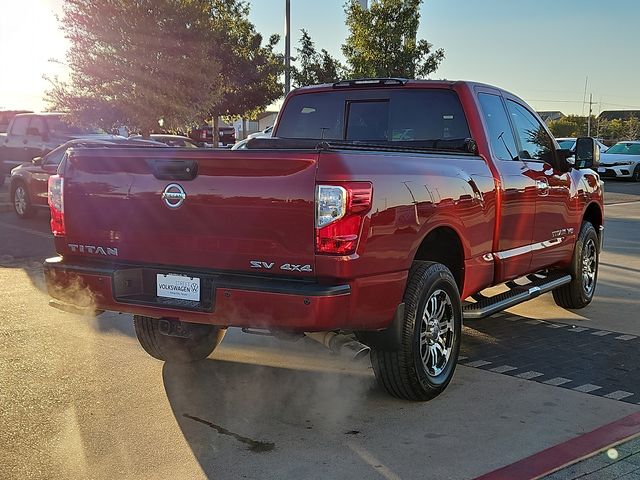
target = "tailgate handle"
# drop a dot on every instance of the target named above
(174, 169)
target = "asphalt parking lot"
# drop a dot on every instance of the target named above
(80, 399)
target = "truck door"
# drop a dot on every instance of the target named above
(36, 134)
(514, 236)
(553, 235)
(15, 151)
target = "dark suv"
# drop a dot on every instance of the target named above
(204, 134)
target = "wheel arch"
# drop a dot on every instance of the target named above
(443, 244)
(595, 216)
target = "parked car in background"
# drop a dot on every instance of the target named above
(36, 134)
(262, 133)
(621, 161)
(6, 116)
(29, 181)
(569, 143)
(227, 135)
(170, 140)
(242, 144)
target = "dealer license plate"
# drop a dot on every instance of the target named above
(601, 170)
(178, 286)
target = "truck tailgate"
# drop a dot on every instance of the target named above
(247, 211)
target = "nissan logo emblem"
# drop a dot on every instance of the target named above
(173, 195)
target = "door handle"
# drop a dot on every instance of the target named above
(542, 186)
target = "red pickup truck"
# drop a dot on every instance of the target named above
(375, 216)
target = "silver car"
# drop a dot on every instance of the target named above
(621, 161)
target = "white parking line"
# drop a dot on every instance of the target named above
(477, 363)
(600, 333)
(503, 369)
(626, 337)
(529, 375)
(556, 382)
(618, 395)
(587, 387)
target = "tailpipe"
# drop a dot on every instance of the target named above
(340, 344)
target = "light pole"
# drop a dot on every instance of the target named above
(287, 47)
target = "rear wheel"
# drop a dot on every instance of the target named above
(584, 270)
(202, 340)
(424, 363)
(21, 201)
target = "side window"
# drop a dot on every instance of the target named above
(536, 144)
(20, 125)
(37, 126)
(503, 144)
(55, 156)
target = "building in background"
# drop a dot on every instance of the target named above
(551, 116)
(619, 114)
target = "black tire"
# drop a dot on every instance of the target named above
(636, 174)
(404, 373)
(584, 271)
(203, 341)
(21, 201)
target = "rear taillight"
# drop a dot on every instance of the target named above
(339, 213)
(56, 204)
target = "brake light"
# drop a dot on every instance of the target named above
(56, 205)
(340, 210)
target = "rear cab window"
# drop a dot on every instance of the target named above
(420, 118)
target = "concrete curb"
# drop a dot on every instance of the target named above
(570, 452)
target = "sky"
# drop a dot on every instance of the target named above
(544, 51)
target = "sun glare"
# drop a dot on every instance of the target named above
(29, 37)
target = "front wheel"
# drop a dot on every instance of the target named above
(635, 177)
(21, 201)
(202, 340)
(423, 365)
(584, 271)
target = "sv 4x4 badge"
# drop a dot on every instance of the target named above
(291, 267)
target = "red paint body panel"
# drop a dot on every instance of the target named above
(259, 205)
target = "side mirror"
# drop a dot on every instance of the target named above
(587, 153)
(36, 160)
(566, 159)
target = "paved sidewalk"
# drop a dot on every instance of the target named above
(621, 462)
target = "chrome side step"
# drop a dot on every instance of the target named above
(489, 305)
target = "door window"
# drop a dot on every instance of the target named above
(503, 145)
(36, 127)
(535, 142)
(20, 125)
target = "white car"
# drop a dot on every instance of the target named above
(570, 144)
(621, 161)
(242, 144)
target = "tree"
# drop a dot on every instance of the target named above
(137, 62)
(314, 67)
(383, 41)
(250, 79)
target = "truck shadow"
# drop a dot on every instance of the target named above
(229, 410)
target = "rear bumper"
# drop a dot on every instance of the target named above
(229, 300)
